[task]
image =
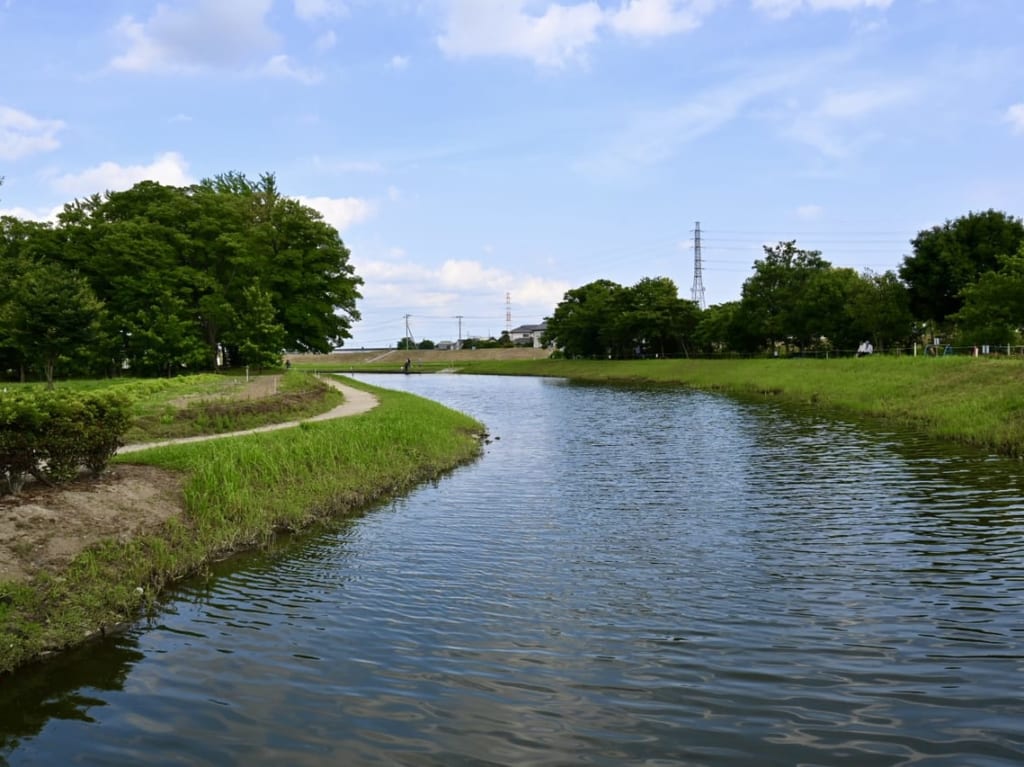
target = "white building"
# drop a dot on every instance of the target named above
(528, 335)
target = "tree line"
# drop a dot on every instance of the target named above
(963, 282)
(158, 279)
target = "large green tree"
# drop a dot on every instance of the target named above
(716, 331)
(993, 306)
(605, 319)
(54, 314)
(773, 304)
(950, 257)
(580, 325)
(220, 255)
(879, 310)
(653, 320)
(23, 246)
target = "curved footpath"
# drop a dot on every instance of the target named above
(356, 402)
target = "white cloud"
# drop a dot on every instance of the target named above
(339, 212)
(21, 134)
(659, 18)
(1015, 116)
(809, 212)
(562, 32)
(654, 136)
(169, 168)
(204, 34)
(837, 127)
(402, 271)
(781, 9)
(283, 68)
(504, 27)
(455, 281)
(27, 214)
(326, 41)
(399, 62)
(310, 10)
(472, 275)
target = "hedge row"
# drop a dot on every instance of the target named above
(52, 436)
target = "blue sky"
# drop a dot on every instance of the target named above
(472, 149)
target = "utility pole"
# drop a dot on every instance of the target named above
(408, 336)
(508, 313)
(459, 344)
(697, 292)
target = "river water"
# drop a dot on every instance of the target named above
(627, 576)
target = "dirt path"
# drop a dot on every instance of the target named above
(46, 527)
(356, 402)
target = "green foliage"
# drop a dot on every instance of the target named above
(580, 323)
(777, 299)
(951, 257)
(255, 334)
(52, 435)
(993, 306)
(226, 271)
(717, 329)
(52, 313)
(206, 404)
(878, 309)
(239, 493)
(604, 319)
(970, 400)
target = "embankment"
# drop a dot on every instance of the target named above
(236, 493)
(976, 401)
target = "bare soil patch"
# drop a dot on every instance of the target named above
(44, 528)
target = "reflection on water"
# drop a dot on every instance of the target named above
(626, 577)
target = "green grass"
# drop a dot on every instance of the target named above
(207, 403)
(239, 493)
(217, 406)
(976, 401)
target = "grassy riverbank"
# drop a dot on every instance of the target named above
(238, 493)
(978, 401)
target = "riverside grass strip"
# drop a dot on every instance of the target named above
(239, 493)
(971, 400)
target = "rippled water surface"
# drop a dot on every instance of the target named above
(625, 577)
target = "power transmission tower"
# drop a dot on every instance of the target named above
(508, 313)
(697, 292)
(459, 318)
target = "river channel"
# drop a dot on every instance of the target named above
(627, 576)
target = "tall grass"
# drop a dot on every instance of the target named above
(978, 401)
(238, 493)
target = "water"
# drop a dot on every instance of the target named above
(626, 577)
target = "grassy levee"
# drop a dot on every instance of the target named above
(977, 401)
(214, 404)
(238, 494)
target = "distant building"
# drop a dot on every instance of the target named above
(528, 335)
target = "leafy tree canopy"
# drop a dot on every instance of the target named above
(245, 271)
(993, 306)
(604, 318)
(950, 257)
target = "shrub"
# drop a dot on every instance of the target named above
(52, 435)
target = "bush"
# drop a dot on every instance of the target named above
(53, 435)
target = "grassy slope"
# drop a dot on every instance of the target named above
(977, 401)
(238, 493)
